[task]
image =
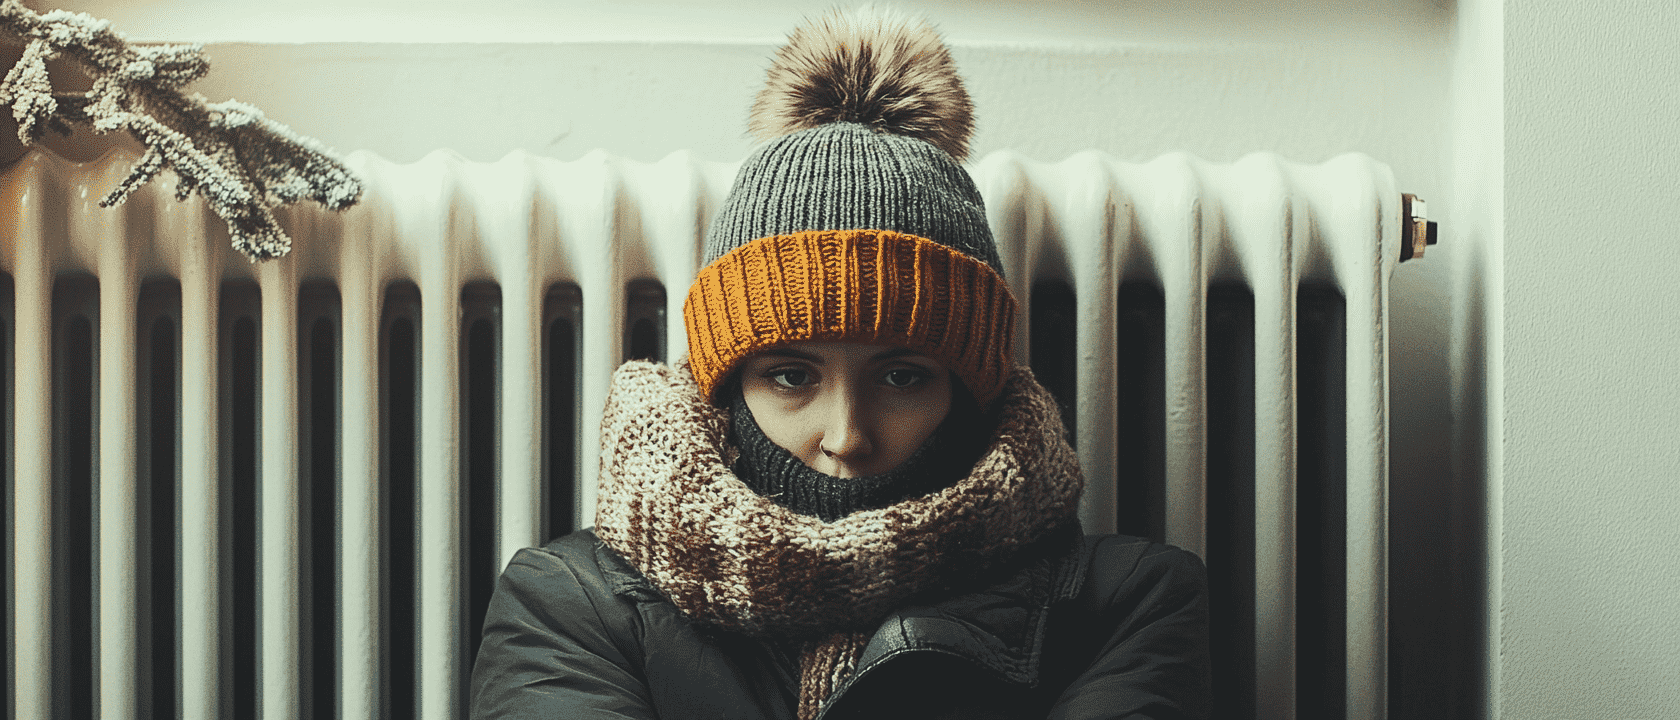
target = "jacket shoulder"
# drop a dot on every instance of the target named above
(1133, 641)
(558, 579)
(558, 640)
(584, 554)
(571, 555)
(1117, 565)
(577, 546)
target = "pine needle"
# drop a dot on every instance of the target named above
(243, 164)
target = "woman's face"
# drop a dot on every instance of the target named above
(846, 409)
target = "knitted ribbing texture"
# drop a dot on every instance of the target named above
(863, 286)
(846, 176)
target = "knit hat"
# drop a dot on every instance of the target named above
(856, 222)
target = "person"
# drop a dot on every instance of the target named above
(848, 501)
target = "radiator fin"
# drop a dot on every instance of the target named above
(562, 312)
(480, 400)
(399, 422)
(75, 560)
(1321, 486)
(7, 383)
(318, 498)
(1053, 350)
(158, 522)
(1231, 540)
(241, 500)
(1139, 380)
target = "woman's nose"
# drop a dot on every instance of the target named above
(846, 436)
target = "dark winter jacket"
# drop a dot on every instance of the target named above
(1099, 627)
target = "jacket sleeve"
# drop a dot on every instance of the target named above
(558, 643)
(1150, 659)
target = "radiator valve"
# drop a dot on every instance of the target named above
(1418, 231)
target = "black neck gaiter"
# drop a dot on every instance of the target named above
(773, 472)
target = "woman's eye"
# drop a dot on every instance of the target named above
(904, 377)
(790, 377)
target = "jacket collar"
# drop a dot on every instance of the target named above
(624, 580)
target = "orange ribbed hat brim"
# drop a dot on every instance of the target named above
(864, 286)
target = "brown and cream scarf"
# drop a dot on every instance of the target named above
(727, 557)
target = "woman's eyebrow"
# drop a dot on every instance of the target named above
(795, 354)
(894, 353)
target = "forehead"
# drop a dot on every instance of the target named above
(839, 352)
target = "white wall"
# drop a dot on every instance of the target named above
(1406, 81)
(647, 78)
(1590, 573)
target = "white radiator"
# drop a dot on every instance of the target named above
(284, 490)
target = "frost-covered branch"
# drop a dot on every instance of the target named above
(242, 163)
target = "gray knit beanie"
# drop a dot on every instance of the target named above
(857, 221)
(846, 176)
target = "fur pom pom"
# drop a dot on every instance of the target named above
(870, 66)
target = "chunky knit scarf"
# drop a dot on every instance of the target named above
(726, 557)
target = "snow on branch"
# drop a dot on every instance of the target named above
(242, 163)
